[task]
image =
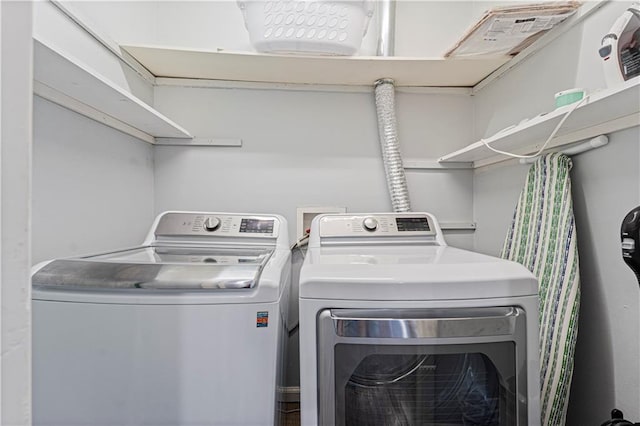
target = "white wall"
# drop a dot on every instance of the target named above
(606, 186)
(57, 30)
(120, 20)
(306, 148)
(15, 212)
(92, 185)
(495, 194)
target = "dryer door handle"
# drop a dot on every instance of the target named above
(426, 323)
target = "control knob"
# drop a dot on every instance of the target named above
(211, 224)
(370, 224)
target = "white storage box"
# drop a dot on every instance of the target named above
(312, 26)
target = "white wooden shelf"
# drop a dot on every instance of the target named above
(66, 81)
(296, 69)
(604, 112)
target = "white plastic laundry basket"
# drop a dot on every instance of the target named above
(312, 26)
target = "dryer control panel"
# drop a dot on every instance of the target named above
(377, 225)
(217, 225)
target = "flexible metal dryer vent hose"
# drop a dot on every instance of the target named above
(396, 179)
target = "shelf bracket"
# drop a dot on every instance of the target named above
(434, 164)
(457, 226)
(228, 142)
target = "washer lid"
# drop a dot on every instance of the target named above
(158, 268)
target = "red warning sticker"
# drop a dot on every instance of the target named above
(262, 319)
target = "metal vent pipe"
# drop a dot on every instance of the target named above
(385, 109)
(387, 36)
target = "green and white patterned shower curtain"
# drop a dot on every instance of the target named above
(542, 237)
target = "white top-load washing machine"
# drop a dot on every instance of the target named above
(187, 329)
(396, 328)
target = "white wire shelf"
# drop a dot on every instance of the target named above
(604, 112)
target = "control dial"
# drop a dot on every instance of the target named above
(211, 224)
(370, 224)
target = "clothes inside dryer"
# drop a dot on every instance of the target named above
(424, 389)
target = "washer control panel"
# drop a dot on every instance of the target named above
(377, 225)
(217, 225)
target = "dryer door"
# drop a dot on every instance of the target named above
(422, 367)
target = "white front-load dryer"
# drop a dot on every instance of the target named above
(187, 329)
(398, 328)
